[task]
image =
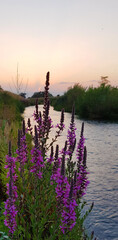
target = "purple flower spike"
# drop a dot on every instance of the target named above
(51, 158)
(37, 158)
(63, 186)
(29, 127)
(37, 161)
(68, 214)
(56, 166)
(22, 150)
(62, 191)
(10, 208)
(80, 149)
(61, 125)
(71, 135)
(82, 176)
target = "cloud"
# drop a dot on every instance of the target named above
(93, 81)
(66, 82)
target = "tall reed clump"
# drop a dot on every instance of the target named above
(45, 185)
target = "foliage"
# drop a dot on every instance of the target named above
(69, 98)
(10, 107)
(45, 187)
(99, 103)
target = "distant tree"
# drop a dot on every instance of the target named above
(40, 94)
(1, 88)
(23, 94)
(104, 81)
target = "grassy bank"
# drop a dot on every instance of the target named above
(11, 108)
(99, 103)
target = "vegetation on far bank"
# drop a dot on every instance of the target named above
(99, 103)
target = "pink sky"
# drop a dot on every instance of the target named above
(75, 40)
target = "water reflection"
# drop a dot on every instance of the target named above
(102, 161)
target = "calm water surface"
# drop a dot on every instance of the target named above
(102, 162)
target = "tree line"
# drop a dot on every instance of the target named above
(100, 103)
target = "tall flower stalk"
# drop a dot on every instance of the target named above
(68, 214)
(22, 150)
(71, 141)
(81, 182)
(36, 158)
(63, 186)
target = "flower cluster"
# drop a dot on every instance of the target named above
(80, 149)
(68, 179)
(66, 203)
(38, 163)
(56, 165)
(71, 135)
(68, 214)
(62, 188)
(22, 149)
(51, 158)
(36, 158)
(82, 179)
(44, 121)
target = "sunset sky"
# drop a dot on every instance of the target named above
(76, 40)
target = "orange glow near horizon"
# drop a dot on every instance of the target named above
(71, 41)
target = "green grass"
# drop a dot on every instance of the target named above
(11, 107)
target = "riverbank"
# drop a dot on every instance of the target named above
(11, 108)
(99, 103)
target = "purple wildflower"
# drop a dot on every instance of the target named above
(22, 149)
(37, 161)
(63, 186)
(71, 141)
(44, 122)
(59, 163)
(77, 184)
(62, 191)
(51, 158)
(37, 158)
(61, 125)
(29, 127)
(80, 149)
(10, 208)
(82, 176)
(37, 116)
(68, 214)
(56, 166)
(71, 135)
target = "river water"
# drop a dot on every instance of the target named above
(101, 140)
